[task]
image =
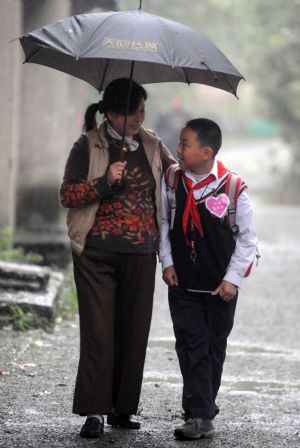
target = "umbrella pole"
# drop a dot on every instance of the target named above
(123, 148)
(123, 151)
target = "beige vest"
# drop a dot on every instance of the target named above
(81, 219)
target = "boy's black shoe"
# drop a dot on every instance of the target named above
(92, 428)
(122, 421)
(195, 428)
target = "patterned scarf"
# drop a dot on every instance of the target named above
(132, 144)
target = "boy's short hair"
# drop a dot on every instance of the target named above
(208, 132)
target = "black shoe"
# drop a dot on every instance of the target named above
(92, 428)
(122, 421)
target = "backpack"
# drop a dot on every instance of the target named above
(233, 188)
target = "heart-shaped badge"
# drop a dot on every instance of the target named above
(218, 205)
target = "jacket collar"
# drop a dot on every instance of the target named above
(149, 139)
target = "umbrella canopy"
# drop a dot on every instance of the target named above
(100, 47)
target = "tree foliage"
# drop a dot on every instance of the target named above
(262, 38)
(270, 33)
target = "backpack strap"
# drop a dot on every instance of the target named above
(171, 180)
(233, 188)
(171, 176)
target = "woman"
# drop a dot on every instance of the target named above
(114, 221)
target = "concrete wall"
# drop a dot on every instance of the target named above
(44, 124)
(10, 57)
(41, 114)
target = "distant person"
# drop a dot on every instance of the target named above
(169, 123)
(114, 222)
(208, 244)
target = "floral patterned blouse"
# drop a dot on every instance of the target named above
(126, 218)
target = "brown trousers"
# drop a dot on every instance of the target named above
(115, 298)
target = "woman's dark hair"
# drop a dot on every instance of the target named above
(114, 100)
(208, 132)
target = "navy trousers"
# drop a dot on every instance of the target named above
(202, 324)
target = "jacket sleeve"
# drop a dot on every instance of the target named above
(166, 157)
(75, 191)
(165, 251)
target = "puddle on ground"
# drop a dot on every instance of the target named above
(262, 387)
(233, 348)
(238, 386)
(162, 343)
(158, 377)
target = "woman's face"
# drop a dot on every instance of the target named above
(134, 121)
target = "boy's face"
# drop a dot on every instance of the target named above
(192, 154)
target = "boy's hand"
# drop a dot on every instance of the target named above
(170, 276)
(226, 290)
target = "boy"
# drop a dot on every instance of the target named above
(204, 260)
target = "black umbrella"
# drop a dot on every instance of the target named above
(100, 47)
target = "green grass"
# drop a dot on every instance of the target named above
(21, 320)
(7, 253)
(68, 305)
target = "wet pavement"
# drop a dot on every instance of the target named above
(260, 393)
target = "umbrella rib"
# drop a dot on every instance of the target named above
(186, 76)
(230, 86)
(104, 75)
(32, 54)
(210, 71)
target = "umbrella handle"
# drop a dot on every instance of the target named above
(122, 159)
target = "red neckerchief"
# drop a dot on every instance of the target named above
(191, 209)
